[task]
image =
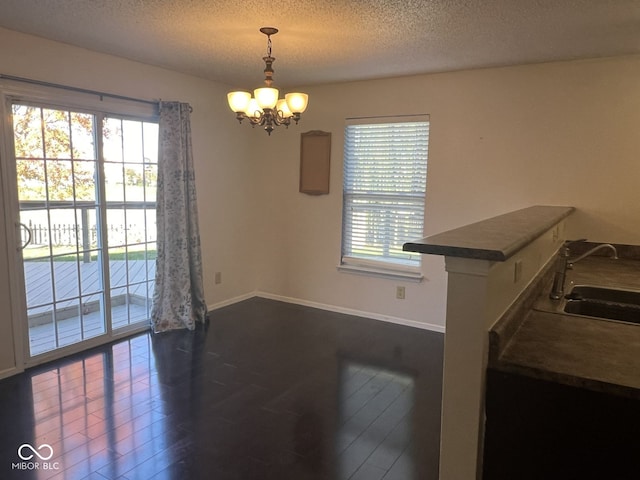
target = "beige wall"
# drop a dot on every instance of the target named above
(7, 350)
(501, 139)
(226, 195)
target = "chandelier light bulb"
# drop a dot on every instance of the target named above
(253, 109)
(282, 107)
(267, 97)
(238, 101)
(297, 102)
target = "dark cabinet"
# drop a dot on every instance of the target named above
(537, 429)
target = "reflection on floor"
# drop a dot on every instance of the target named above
(266, 390)
(375, 422)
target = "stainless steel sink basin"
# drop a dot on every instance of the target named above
(587, 292)
(601, 302)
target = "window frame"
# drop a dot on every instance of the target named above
(385, 267)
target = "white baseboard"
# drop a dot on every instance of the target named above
(8, 372)
(330, 308)
(231, 301)
(350, 311)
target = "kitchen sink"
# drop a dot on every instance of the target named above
(601, 302)
(605, 294)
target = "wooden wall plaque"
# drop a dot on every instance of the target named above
(315, 162)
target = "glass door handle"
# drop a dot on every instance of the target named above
(29, 236)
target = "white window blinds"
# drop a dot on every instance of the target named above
(385, 179)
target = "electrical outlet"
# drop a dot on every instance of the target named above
(400, 293)
(218, 278)
(517, 271)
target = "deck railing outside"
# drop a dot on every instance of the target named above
(62, 258)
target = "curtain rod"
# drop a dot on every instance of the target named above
(76, 89)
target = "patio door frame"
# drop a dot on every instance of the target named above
(48, 97)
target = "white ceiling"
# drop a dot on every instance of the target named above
(333, 40)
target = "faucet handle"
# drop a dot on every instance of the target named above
(564, 251)
(569, 242)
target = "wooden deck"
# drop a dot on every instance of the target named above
(79, 305)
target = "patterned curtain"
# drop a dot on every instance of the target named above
(178, 297)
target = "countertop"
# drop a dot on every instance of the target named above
(598, 354)
(496, 238)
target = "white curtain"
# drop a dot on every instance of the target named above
(178, 297)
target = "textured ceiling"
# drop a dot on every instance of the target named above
(333, 40)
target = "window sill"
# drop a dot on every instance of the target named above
(404, 275)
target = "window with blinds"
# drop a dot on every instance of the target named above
(385, 180)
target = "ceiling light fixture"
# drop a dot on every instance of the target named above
(264, 108)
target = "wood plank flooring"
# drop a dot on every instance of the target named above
(266, 390)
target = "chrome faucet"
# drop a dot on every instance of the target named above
(571, 263)
(565, 263)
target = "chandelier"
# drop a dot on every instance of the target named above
(265, 108)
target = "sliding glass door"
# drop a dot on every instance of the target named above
(130, 173)
(86, 195)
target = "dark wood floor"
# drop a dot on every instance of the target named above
(267, 390)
